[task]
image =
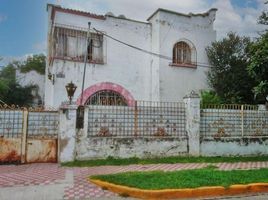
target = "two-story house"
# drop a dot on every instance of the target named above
(161, 59)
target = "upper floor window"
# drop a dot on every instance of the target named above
(183, 54)
(70, 44)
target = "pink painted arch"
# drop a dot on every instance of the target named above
(106, 86)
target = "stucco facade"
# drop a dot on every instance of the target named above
(140, 75)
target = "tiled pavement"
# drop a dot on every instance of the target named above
(80, 188)
(32, 174)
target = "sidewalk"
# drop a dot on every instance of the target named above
(50, 181)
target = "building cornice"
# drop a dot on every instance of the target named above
(182, 14)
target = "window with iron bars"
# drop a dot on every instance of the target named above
(181, 53)
(107, 97)
(70, 44)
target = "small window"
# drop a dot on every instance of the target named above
(182, 53)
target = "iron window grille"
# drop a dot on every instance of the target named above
(69, 43)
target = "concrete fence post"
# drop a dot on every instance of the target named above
(192, 105)
(67, 133)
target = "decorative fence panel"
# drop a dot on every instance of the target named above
(233, 121)
(145, 119)
(11, 123)
(43, 124)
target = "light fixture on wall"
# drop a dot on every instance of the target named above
(51, 77)
(70, 88)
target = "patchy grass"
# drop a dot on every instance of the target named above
(170, 160)
(209, 176)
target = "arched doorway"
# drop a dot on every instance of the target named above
(106, 93)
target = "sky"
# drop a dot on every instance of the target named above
(23, 23)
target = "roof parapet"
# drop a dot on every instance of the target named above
(205, 14)
(76, 12)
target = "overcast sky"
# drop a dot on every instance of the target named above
(23, 23)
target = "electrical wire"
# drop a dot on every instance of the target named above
(146, 51)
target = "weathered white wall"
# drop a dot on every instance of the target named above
(67, 134)
(234, 147)
(91, 148)
(145, 76)
(192, 105)
(176, 82)
(32, 78)
(124, 66)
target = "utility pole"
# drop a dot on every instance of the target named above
(85, 62)
(80, 110)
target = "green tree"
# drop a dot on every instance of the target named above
(35, 62)
(209, 97)
(263, 18)
(258, 65)
(10, 91)
(228, 76)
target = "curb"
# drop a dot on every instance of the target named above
(182, 193)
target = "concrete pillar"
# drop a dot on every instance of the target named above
(192, 105)
(67, 133)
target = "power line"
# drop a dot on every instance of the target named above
(146, 51)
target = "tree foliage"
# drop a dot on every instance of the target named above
(258, 65)
(229, 77)
(263, 18)
(209, 97)
(10, 91)
(35, 62)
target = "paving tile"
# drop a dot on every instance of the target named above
(46, 174)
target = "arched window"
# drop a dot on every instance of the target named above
(182, 53)
(107, 97)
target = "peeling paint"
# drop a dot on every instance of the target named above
(234, 146)
(130, 147)
(10, 150)
(44, 150)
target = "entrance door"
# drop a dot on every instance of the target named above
(42, 137)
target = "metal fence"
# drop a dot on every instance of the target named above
(11, 123)
(233, 121)
(39, 123)
(145, 119)
(43, 123)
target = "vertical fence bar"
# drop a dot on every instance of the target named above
(242, 120)
(136, 120)
(24, 136)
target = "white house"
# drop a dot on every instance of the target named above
(162, 59)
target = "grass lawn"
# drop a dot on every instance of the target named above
(128, 161)
(185, 178)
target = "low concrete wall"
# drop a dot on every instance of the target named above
(102, 147)
(234, 146)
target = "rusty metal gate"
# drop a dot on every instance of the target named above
(11, 125)
(28, 136)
